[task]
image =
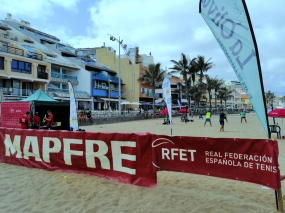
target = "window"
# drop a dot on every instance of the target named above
(10, 86)
(1, 63)
(41, 68)
(27, 88)
(21, 66)
(42, 72)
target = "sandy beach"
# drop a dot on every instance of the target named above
(26, 190)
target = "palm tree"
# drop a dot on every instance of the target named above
(210, 87)
(182, 67)
(152, 76)
(202, 66)
(193, 69)
(269, 98)
(224, 94)
(217, 85)
(196, 94)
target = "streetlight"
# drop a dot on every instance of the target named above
(109, 92)
(112, 38)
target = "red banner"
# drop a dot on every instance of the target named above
(250, 160)
(135, 158)
(123, 157)
(11, 113)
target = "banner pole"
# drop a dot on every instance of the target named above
(279, 200)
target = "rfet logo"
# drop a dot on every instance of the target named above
(164, 150)
(12, 110)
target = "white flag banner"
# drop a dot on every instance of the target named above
(73, 122)
(167, 97)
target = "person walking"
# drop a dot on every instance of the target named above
(208, 118)
(222, 121)
(89, 116)
(242, 116)
(25, 121)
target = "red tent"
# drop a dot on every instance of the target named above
(277, 113)
(183, 110)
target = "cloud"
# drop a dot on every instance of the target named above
(35, 9)
(164, 28)
(167, 29)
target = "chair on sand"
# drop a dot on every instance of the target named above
(275, 129)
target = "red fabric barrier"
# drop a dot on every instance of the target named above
(123, 157)
(135, 158)
(250, 160)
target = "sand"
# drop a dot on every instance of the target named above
(29, 190)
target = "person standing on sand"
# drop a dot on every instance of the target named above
(242, 116)
(222, 121)
(208, 118)
(49, 119)
(25, 121)
(36, 121)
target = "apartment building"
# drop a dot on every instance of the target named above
(132, 65)
(21, 71)
(104, 81)
(47, 63)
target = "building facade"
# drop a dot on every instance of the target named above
(31, 60)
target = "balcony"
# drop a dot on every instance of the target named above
(66, 49)
(149, 94)
(21, 52)
(63, 78)
(100, 76)
(13, 93)
(42, 75)
(104, 93)
(64, 93)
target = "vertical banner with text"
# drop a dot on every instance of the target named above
(167, 97)
(73, 122)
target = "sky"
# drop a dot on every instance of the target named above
(163, 28)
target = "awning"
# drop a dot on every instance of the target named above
(77, 99)
(185, 101)
(66, 95)
(158, 101)
(111, 99)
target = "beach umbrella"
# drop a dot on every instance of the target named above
(277, 113)
(125, 103)
(183, 110)
(135, 103)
